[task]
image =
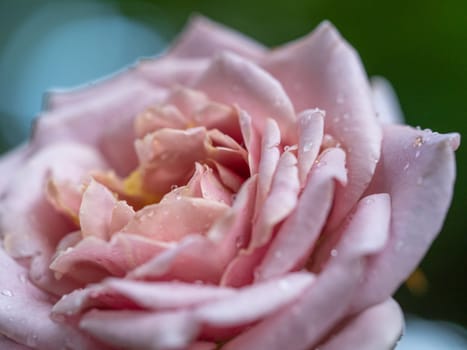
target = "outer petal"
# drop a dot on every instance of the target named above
(417, 169)
(378, 327)
(25, 313)
(232, 80)
(24, 209)
(385, 101)
(204, 38)
(304, 323)
(323, 71)
(111, 117)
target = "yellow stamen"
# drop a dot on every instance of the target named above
(417, 283)
(133, 186)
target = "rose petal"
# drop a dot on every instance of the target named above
(205, 38)
(151, 331)
(386, 103)
(93, 259)
(113, 293)
(298, 234)
(96, 210)
(8, 344)
(302, 324)
(159, 117)
(323, 71)
(378, 327)
(172, 219)
(233, 80)
(251, 140)
(117, 110)
(417, 169)
(280, 201)
(29, 224)
(25, 313)
(310, 136)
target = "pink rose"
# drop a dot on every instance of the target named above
(223, 193)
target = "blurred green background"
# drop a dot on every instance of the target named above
(420, 46)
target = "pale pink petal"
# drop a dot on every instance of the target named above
(298, 234)
(213, 189)
(323, 71)
(193, 259)
(221, 117)
(141, 330)
(417, 169)
(159, 117)
(29, 224)
(233, 80)
(171, 71)
(186, 100)
(111, 116)
(204, 38)
(25, 313)
(228, 177)
(378, 327)
(249, 303)
(122, 213)
(9, 344)
(304, 323)
(93, 259)
(112, 85)
(251, 140)
(174, 218)
(65, 197)
(269, 159)
(386, 103)
(240, 272)
(116, 294)
(310, 136)
(280, 201)
(95, 213)
(168, 157)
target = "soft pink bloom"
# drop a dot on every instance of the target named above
(223, 193)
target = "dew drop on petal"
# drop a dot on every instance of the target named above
(406, 166)
(284, 285)
(418, 141)
(7, 292)
(307, 147)
(334, 252)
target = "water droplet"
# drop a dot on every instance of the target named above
(7, 292)
(307, 147)
(178, 197)
(406, 166)
(239, 242)
(173, 187)
(22, 278)
(417, 154)
(418, 141)
(334, 252)
(369, 200)
(150, 213)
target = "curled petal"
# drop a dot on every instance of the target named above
(233, 80)
(386, 103)
(417, 169)
(323, 71)
(304, 323)
(378, 327)
(297, 236)
(205, 38)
